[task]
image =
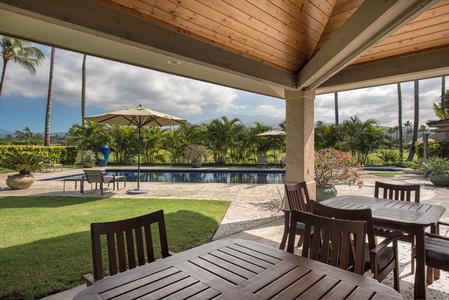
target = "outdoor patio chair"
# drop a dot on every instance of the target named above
(379, 258)
(129, 244)
(262, 161)
(398, 192)
(340, 243)
(297, 197)
(97, 177)
(437, 251)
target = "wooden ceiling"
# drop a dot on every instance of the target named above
(327, 45)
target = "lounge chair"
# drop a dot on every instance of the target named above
(262, 161)
(97, 177)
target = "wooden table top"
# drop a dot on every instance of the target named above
(391, 211)
(237, 269)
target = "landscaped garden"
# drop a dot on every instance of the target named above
(45, 241)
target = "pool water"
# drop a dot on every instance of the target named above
(210, 176)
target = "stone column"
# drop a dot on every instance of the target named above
(299, 108)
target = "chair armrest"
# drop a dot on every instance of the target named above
(433, 235)
(89, 278)
(394, 236)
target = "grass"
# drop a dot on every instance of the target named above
(386, 174)
(45, 241)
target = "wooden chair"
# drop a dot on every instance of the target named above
(297, 197)
(380, 258)
(129, 244)
(97, 177)
(437, 251)
(340, 243)
(401, 193)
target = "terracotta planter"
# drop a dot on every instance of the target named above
(88, 164)
(324, 193)
(20, 182)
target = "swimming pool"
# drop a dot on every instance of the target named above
(249, 176)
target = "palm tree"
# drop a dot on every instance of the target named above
(21, 52)
(408, 125)
(443, 93)
(336, 108)
(415, 120)
(83, 92)
(49, 98)
(401, 141)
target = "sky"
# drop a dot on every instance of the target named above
(115, 86)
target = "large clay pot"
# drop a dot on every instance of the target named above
(439, 179)
(88, 164)
(20, 182)
(324, 193)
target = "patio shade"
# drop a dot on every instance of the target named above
(138, 116)
(272, 133)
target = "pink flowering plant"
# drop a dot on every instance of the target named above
(333, 166)
(195, 152)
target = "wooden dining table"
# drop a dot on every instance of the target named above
(237, 269)
(407, 217)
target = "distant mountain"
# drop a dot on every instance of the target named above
(251, 120)
(4, 132)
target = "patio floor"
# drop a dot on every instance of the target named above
(254, 214)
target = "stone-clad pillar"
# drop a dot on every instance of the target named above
(299, 108)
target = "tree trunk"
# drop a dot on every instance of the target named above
(49, 99)
(401, 141)
(443, 93)
(83, 93)
(336, 109)
(3, 76)
(416, 121)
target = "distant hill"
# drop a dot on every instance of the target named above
(250, 120)
(4, 133)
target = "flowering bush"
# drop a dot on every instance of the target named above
(333, 166)
(195, 152)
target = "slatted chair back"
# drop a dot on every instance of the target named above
(297, 196)
(397, 191)
(336, 242)
(130, 243)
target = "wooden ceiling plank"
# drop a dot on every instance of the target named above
(257, 50)
(372, 22)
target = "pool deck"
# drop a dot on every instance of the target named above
(255, 211)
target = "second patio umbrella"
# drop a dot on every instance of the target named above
(272, 133)
(138, 116)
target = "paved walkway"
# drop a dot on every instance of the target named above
(254, 214)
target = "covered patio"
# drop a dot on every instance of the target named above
(292, 50)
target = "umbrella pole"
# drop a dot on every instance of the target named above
(138, 190)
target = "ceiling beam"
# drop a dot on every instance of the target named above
(372, 22)
(413, 67)
(125, 38)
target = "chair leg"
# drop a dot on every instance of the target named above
(286, 229)
(412, 258)
(396, 267)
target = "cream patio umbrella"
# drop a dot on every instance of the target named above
(272, 133)
(138, 116)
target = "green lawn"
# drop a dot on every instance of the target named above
(45, 241)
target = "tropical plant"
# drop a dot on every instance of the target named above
(24, 162)
(333, 166)
(195, 152)
(90, 156)
(433, 163)
(388, 156)
(440, 113)
(21, 52)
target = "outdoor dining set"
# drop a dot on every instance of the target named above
(326, 250)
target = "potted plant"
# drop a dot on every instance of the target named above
(332, 167)
(195, 153)
(25, 163)
(438, 169)
(90, 158)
